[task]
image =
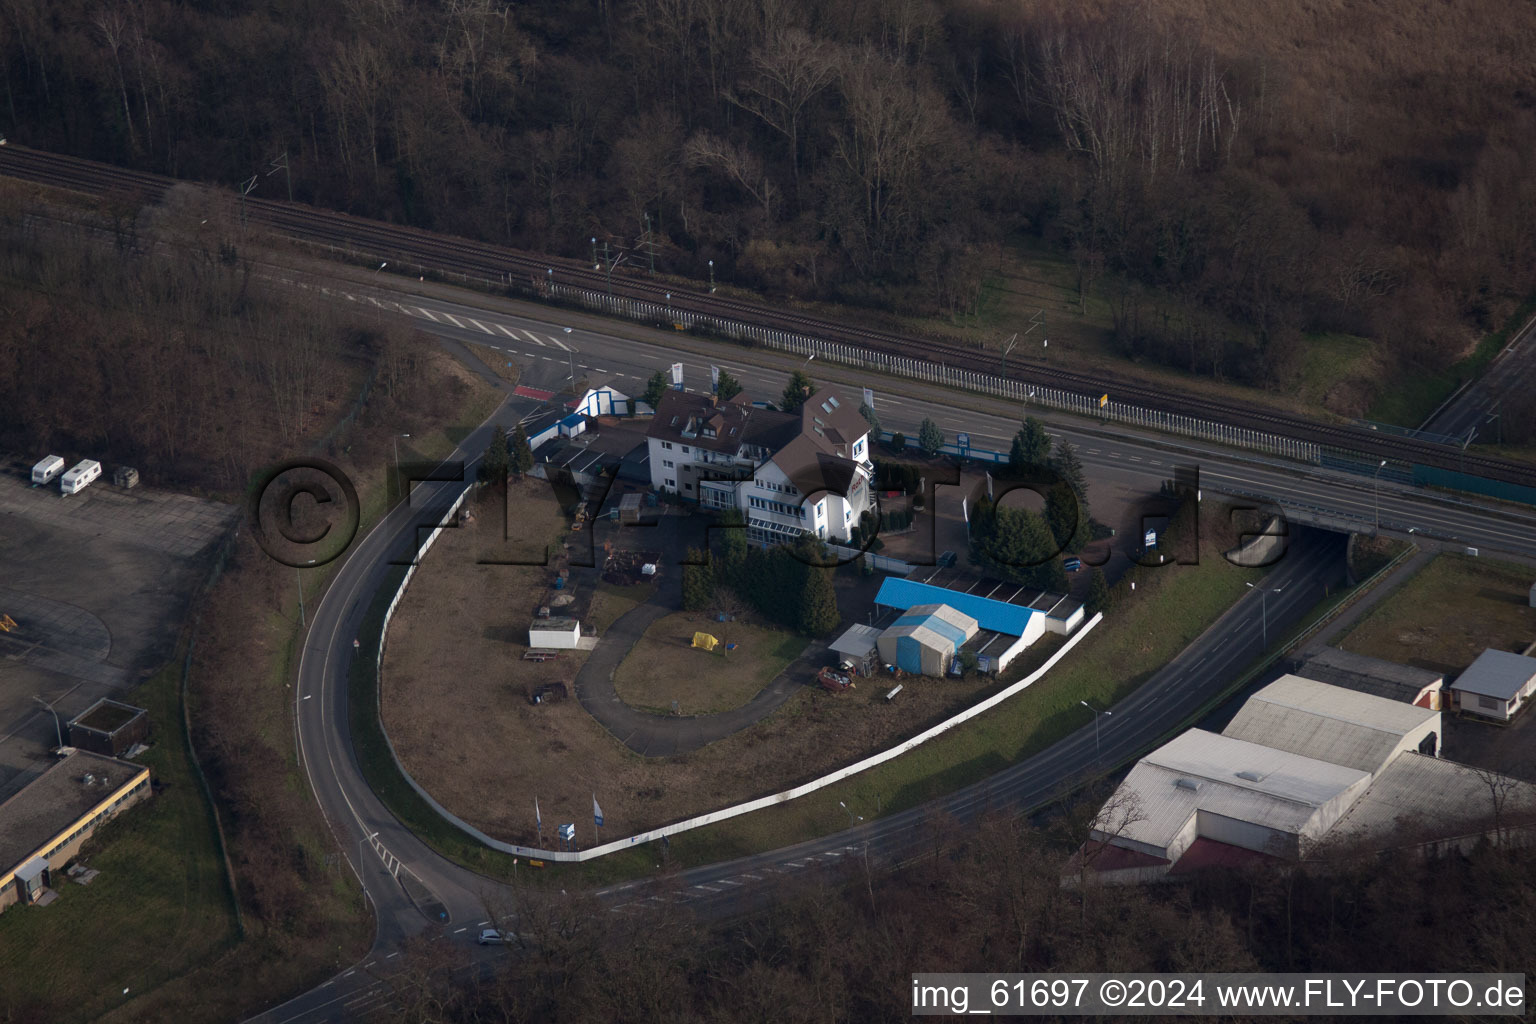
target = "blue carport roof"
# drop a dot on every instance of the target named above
(998, 616)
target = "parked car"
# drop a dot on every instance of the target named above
(947, 560)
(1073, 564)
(495, 937)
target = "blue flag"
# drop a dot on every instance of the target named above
(597, 812)
(538, 819)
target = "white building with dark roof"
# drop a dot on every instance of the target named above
(1496, 685)
(788, 473)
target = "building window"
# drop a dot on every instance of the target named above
(668, 445)
(1491, 703)
(666, 463)
(685, 449)
(687, 487)
(671, 483)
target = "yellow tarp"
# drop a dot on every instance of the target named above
(705, 641)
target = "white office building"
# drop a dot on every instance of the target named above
(788, 473)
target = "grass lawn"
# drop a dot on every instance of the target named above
(609, 602)
(664, 666)
(507, 369)
(160, 905)
(1171, 607)
(1448, 614)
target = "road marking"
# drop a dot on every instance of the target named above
(795, 864)
(755, 878)
(308, 695)
(428, 314)
(1135, 458)
(707, 888)
(455, 320)
(530, 355)
(1154, 462)
(727, 881)
(549, 358)
(464, 929)
(599, 369)
(483, 924)
(532, 337)
(560, 344)
(480, 325)
(503, 330)
(1093, 451)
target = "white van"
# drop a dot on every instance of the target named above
(46, 471)
(80, 476)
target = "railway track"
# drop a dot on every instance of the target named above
(454, 255)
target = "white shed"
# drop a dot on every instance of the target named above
(557, 632)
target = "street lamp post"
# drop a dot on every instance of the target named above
(852, 818)
(1376, 492)
(711, 277)
(1264, 593)
(396, 442)
(58, 730)
(594, 252)
(1096, 714)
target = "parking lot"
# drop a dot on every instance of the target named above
(98, 585)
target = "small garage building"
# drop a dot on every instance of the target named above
(556, 632)
(1496, 685)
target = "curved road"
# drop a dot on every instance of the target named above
(414, 889)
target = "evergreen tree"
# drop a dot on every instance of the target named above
(494, 466)
(1099, 598)
(871, 419)
(728, 388)
(1031, 448)
(1067, 466)
(731, 548)
(818, 603)
(698, 581)
(898, 440)
(1067, 519)
(929, 437)
(654, 389)
(1016, 545)
(797, 391)
(522, 454)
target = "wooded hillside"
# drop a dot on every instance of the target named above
(1250, 170)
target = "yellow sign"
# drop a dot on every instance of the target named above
(1103, 400)
(705, 641)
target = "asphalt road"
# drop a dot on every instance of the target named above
(1470, 413)
(413, 889)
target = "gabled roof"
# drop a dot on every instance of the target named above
(812, 470)
(681, 417)
(997, 616)
(832, 424)
(1329, 723)
(940, 620)
(1497, 674)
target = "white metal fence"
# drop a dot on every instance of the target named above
(938, 373)
(713, 816)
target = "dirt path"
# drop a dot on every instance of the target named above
(663, 736)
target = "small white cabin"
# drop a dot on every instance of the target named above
(80, 476)
(47, 471)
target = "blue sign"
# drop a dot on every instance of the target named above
(1150, 539)
(963, 440)
(568, 832)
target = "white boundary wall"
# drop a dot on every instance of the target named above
(711, 817)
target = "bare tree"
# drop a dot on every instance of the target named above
(787, 73)
(737, 163)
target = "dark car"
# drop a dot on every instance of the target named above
(947, 560)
